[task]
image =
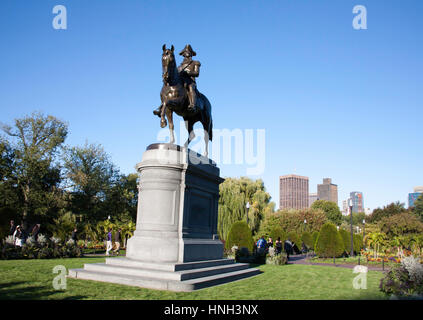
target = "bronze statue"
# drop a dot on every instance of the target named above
(179, 94)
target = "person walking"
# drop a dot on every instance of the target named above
(288, 248)
(74, 235)
(109, 242)
(18, 236)
(278, 245)
(117, 241)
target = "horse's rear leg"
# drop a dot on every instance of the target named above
(163, 122)
(206, 141)
(169, 115)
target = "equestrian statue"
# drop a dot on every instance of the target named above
(179, 94)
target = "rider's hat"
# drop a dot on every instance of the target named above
(188, 49)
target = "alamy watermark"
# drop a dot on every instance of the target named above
(360, 281)
(246, 147)
(59, 281)
(60, 20)
(360, 20)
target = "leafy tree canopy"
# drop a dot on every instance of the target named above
(331, 210)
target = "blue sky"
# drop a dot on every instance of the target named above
(334, 101)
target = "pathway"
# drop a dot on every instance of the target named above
(301, 259)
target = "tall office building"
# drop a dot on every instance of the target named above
(328, 191)
(345, 210)
(293, 192)
(311, 198)
(357, 201)
(413, 196)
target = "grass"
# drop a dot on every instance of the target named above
(353, 261)
(32, 279)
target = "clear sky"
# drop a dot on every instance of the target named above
(334, 101)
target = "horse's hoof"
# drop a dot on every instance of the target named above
(163, 123)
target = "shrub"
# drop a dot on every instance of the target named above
(43, 249)
(294, 237)
(329, 243)
(278, 259)
(240, 236)
(405, 279)
(277, 232)
(307, 239)
(314, 237)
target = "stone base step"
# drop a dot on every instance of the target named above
(167, 266)
(167, 275)
(186, 280)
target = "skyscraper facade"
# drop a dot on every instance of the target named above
(311, 198)
(357, 201)
(327, 191)
(293, 192)
(414, 195)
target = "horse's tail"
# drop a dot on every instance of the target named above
(207, 116)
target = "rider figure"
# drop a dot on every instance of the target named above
(188, 71)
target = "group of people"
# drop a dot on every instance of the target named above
(109, 245)
(20, 234)
(263, 246)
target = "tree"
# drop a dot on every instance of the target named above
(329, 243)
(376, 239)
(36, 141)
(122, 197)
(293, 220)
(240, 236)
(307, 239)
(401, 224)
(90, 177)
(331, 210)
(418, 207)
(233, 197)
(387, 211)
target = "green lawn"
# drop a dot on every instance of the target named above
(353, 261)
(32, 279)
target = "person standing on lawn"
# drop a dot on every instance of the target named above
(278, 245)
(288, 248)
(74, 236)
(261, 245)
(109, 242)
(117, 241)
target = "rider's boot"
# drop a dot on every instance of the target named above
(192, 101)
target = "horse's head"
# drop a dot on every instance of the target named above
(168, 63)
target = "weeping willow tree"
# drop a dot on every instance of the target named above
(233, 197)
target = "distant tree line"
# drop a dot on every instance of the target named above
(43, 180)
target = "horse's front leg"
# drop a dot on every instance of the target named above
(163, 122)
(191, 135)
(169, 115)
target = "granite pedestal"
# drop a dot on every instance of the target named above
(175, 245)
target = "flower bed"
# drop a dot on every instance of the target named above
(43, 248)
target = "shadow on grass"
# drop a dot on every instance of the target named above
(7, 292)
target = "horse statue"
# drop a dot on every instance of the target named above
(175, 97)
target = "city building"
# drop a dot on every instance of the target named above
(328, 191)
(367, 211)
(414, 195)
(311, 198)
(357, 201)
(345, 210)
(293, 192)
